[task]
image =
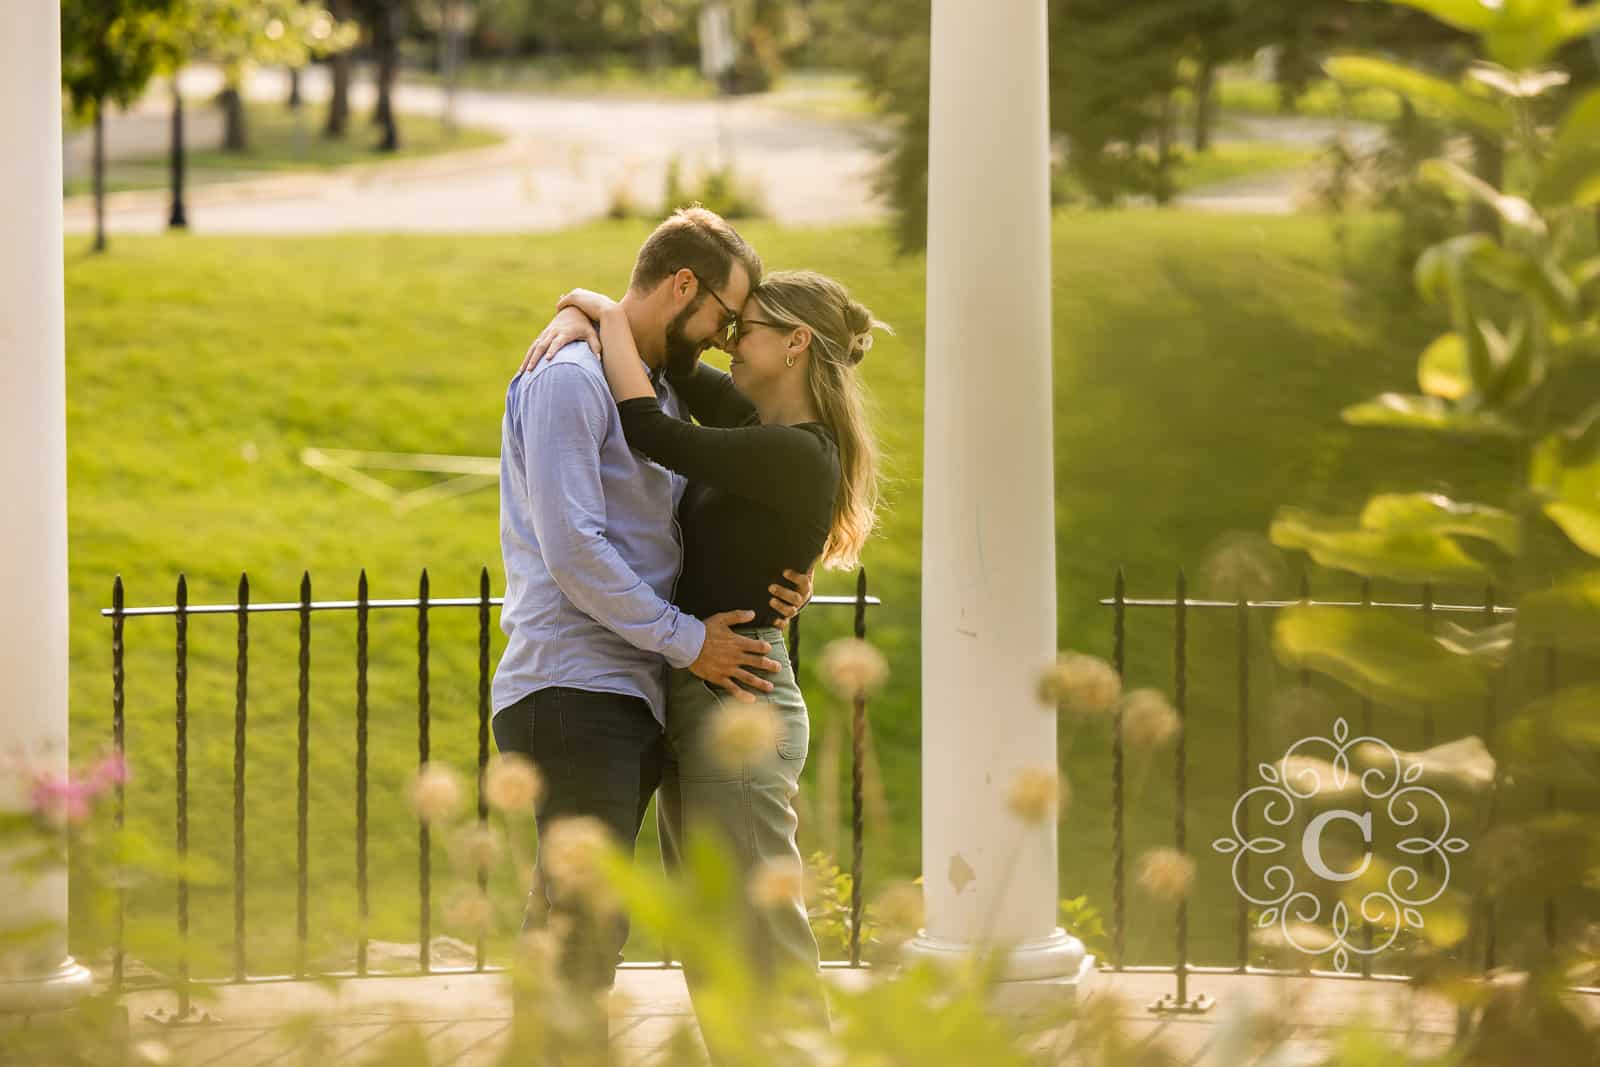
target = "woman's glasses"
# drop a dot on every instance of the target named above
(742, 327)
(734, 328)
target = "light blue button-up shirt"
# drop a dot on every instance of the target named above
(590, 538)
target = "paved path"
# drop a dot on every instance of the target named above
(140, 132)
(465, 1019)
(564, 161)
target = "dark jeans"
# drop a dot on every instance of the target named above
(600, 755)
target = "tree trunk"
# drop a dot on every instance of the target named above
(99, 169)
(235, 137)
(1205, 105)
(294, 89)
(178, 219)
(1286, 74)
(1489, 162)
(1164, 136)
(339, 72)
(658, 49)
(386, 44)
(450, 61)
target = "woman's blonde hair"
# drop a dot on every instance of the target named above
(841, 335)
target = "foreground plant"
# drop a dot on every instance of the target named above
(1514, 375)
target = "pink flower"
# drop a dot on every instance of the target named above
(64, 800)
(111, 770)
(70, 799)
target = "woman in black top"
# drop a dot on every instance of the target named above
(781, 473)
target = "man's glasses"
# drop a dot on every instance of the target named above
(729, 330)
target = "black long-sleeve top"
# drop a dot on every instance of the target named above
(759, 500)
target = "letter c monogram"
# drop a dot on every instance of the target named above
(1311, 844)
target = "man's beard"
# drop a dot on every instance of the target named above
(681, 354)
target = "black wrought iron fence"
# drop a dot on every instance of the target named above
(1245, 614)
(423, 605)
(1181, 606)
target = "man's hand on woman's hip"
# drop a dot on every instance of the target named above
(727, 658)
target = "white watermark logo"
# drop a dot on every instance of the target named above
(1390, 786)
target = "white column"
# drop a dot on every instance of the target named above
(988, 533)
(33, 481)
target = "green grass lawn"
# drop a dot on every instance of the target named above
(1242, 93)
(1199, 365)
(282, 140)
(617, 76)
(1223, 162)
(1230, 160)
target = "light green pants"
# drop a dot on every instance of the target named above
(750, 808)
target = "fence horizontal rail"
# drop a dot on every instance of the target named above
(1235, 605)
(379, 605)
(181, 611)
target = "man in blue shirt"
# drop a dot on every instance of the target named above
(592, 553)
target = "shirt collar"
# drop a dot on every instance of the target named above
(656, 375)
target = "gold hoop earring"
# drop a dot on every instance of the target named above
(790, 361)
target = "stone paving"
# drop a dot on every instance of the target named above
(465, 1019)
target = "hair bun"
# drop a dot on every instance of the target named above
(860, 345)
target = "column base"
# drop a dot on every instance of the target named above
(57, 990)
(1033, 975)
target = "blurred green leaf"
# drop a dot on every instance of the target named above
(1503, 268)
(1441, 272)
(1442, 370)
(1474, 16)
(1524, 33)
(1586, 273)
(1083, 921)
(1436, 513)
(1513, 210)
(1375, 654)
(1431, 95)
(1517, 361)
(1555, 289)
(1580, 522)
(1581, 440)
(1537, 857)
(1566, 615)
(1547, 468)
(1401, 555)
(1401, 412)
(1566, 470)
(1579, 22)
(1439, 268)
(1573, 164)
(1556, 738)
